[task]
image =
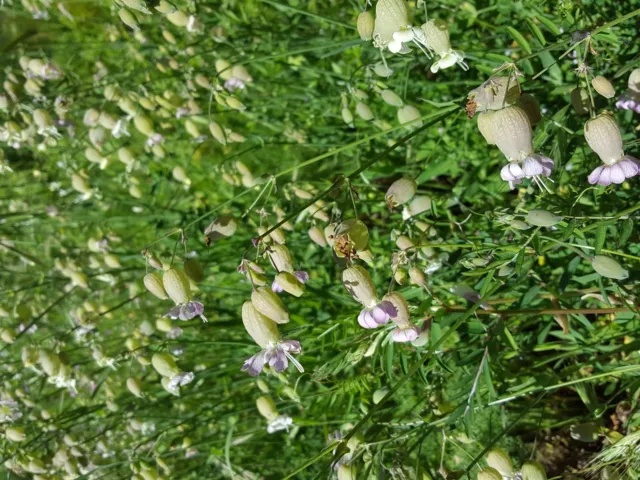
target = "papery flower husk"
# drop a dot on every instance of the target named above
(401, 191)
(365, 25)
(176, 284)
(391, 16)
(603, 136)
(262, 329)
(269, 304)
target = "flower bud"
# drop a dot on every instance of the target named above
(418, 205)
(165, 364)
(533, 471)
(603, 136)
(317, 236)
(217, 133)
(164, 324)
(125, 156)
(8, 335)
(409, 114)
(178, 18)
(401, 191)
(360, 286)
(50, 362)
(366, 256)
(489, 474)
(391, 98)
(143, 124)
(222, 227)
(347, 472)
(235, 104)
(269, 304)
(280, 258)
(153, 282)
(193, 269)
(364, 112)
(512, 132)
(30, 356)
(180, 175)
(417, 276)
(290, 284)
(365, 25)
(542, 218)
(609, 268)
(404, 243)
(79, 184)
(267, 408)
(603, 86)
(176, 284)
(134, 386)
(499, 460)
(580, 100)
(15, 434)
(400, 276)
(41, 118)
(347, 117)
(262, 329)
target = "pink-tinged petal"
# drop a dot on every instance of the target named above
(174, 313)
(366, 320)
(303, 277)
(605, 176)
(630, 165)
(254, 365)
(379, 315)
(617, 174)
(277, 359)
(595, 175)
(275, 286)
(532, 167)
(291, 346)
(403, 335)
(389, 308)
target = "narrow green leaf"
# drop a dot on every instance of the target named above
(601, 235)
(627, 230)
(549, 24)
(520, 39)
(535, 30)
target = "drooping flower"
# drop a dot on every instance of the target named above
(276, 352)
(177, 286)
(405, 331)
(435, 34)
(512, 134)
(360, 286)
(603, 136)
(630, 100)
(165, 365)
(267, 408)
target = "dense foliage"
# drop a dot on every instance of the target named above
(435, 199)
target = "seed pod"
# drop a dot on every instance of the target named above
(153, 282)
(408, 114)
(603, 86)
(178, 18)
(404, 243)
(176, 284)
(542, 218)
(512, 132)
(356, 232)
(533, 471)
(360, 286)
(580, 101)
(485, 125)
(135, 387)
(317, 236)
(128, 19)
(402, 308)
(391, 16)
(15, 434)
(499, 460)
(263, 330)
(280, 258)
(391, 98)
(290, 284)
(401, 191)
(364, 112)
(365, 25)
(269, 304)
(165, 364)
(347, 117)
(489, 474)
(608, 267)
(222, 227)
(217, 133)
(417, 276)
(603, 136)
(347, 472)
(143, 124)
(267, 408)
(418, 205)
(193, 269)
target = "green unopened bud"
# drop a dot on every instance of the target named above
(533, 471)
(267, 408)
(262, 329)
(269, 304)
(489, 474)
(143, 124)
(193, 269)
(280, 258)
(519, 225)
(404, 243)
(50, 362)
(290, 284)
(125, 156)
(30, 356)
(176, 284)
(317, 236)
(418, 205)
(409, 114)
(347, 472)
(417, 276)
(153, 283)
(15, 434)
(603, 86)
(498, 459)
(347, 116)
(217, 133)
(542, 218)
(235, 104)
(165, 364)
(391, 98)
(401, 191)
(608, 267)
(365, 25)
(364, 112)
(164, 324)
(135, 387)
(8, 335)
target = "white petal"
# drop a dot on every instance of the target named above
(595, 175)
